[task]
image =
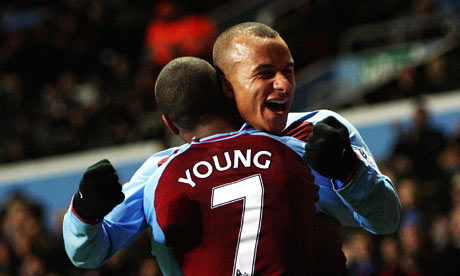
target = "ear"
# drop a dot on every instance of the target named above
(172, 127)
(227, 87)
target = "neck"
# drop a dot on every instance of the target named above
(211, 128)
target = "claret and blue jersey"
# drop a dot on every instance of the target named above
(215, 201)
(233, 204)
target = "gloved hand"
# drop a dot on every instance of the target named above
(99, 192)
(328, 150)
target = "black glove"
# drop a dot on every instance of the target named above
(328, 150)
(99, 192)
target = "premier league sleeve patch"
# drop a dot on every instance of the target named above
(363, 155)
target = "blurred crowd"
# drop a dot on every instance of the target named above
(425, 169)
(78, 75)
(27, 248)
(438, 75)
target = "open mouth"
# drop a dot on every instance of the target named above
(277, 105)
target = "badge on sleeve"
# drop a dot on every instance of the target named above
(365, 156)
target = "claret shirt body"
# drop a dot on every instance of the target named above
(239, 203)
(235, 204)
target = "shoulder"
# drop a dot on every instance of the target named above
(312, 116)
(151, 165)
(293, 143)
(304, 118)
(300, 124)
(155, 160)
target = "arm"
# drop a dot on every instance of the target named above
(370, 194)
(371, 198)
(91, 245)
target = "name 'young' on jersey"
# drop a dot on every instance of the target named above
(235, 204)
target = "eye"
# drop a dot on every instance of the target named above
(266, 74)
(288, 71)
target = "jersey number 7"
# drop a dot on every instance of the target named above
(251, 191)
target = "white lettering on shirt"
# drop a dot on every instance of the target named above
(246, 161)
(204, 169)
(188, 179)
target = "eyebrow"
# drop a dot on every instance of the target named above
(268, 66)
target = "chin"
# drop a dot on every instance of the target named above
(276, 127)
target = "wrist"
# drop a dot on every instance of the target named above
(80, 211)
(348, 166)
(91, 222)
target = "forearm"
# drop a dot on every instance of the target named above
(370, 194)
(86, 245)
(89, 245)
(373, 199)
(368, 198)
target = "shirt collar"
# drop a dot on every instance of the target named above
(244, 128)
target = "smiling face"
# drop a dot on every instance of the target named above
(261, 75)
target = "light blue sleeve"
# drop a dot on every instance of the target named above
(164, 255)
(86, 245)
(329, 202)
(373, 199)
(370, 195)
(90, 246)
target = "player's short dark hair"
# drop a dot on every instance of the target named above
(248, 28)
(187, 91)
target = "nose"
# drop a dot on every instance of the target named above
(282, 83)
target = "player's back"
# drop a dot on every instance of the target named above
(240, 204)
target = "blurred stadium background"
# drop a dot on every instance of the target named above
(76, 79)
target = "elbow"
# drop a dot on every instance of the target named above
(389, 228)
(391, 216)
(394, 223)
(83, 259)
(391, 223)
(84, 264)
(385, 222)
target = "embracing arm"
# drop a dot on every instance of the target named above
(335, 150)
(373, 199)
(368, 193)
(90, 244)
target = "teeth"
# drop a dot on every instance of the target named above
(278, 101)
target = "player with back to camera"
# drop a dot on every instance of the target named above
(229, 202)
(257, 70)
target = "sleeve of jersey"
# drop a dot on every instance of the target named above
(370, 194)
(90, 246)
